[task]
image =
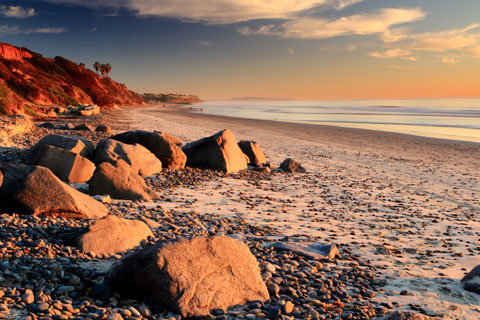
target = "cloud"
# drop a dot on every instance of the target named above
(205, 43)
(377, 22)
(465, 41)
(6, 29)
(216, 11)
(16, 12)
(393, 53)
(291, 51)
(54, 30)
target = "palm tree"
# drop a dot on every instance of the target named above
(81, 65)
(103, 69)
(96, 65)
(108, 68)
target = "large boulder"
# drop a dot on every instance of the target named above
(190, 276)
(36, 190)
(254, 153)
(140, 159)
(218, 152)
(66, 165)
(113, 234)
(160, 144)
(471, 281)
(120, 182)
(292, 166)
(76, 144)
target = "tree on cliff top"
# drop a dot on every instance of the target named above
(96, 65)
(108, 68)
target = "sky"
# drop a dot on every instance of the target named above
(296, 49)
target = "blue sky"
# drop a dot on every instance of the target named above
(310, 49)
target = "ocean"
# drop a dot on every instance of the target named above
(456, 119)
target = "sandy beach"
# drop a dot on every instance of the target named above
(406, 205)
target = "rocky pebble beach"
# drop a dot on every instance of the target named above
(44, 275)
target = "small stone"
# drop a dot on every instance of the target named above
(28, 297)
(270, 268)
(288, 307)
(404, 293)
(273, 289)
(115, 316)
(74, 280)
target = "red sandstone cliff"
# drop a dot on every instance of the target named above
(29, 81)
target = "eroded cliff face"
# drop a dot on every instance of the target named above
(10, 52)
(29, 82)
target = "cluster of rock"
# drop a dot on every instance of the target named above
(224, 271)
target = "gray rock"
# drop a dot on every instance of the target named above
(290, 165)
(254, 153)
(36, 190)
(66, 165)
(163, 146)
(120, 182)
(190, 276)
(140, 159)
(83, 127)
(47, 125)
(471, 281)
(218, 152)
(311, 250)
(113, 234)
(103, 128)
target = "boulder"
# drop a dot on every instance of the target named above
(103, 128)
(254, 153)
(471, 281)
(290, 165)
(161, 145)
(405, 315)
(66, 165)
(83, 127)
(36, 190)
(76, 144)
(68, 126)
(113, 234)
(218, 152)
(190, 276)
(47, 125)
(1, 178)
(171, 138)
(90, 111)
(140, 159)
(120, 182)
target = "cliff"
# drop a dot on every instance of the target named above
(29, 83)
(171, 98)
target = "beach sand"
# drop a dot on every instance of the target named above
(407, 205)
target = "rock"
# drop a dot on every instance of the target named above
(471, 281)
(47, 125)
(190, 276)
(103, 198)
(76, 144)
(51, 114)
(1, 178)
(90, 111)
(171, 138)
(66, 165)
(290, 165)
(140, 159)
(171, 156)
(254, 153)
(84, 127)
(113, 234)
(218, 152)
(405, 315)
(103, 128)
(120, 182)
(68, 126)
(36, 190)
(288, 307)
(311, 250)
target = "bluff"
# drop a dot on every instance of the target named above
(171, 98)
(30, 82)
